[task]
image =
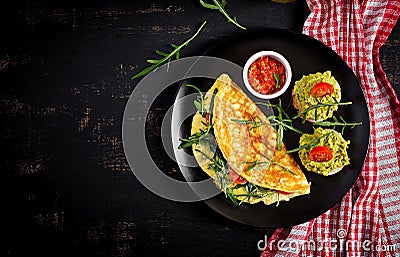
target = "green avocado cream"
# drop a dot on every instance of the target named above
(331, 139)
(302, 91)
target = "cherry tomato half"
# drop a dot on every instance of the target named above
(236, 178)
(320, 154)
(322, 89)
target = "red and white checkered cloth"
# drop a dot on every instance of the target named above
(367, 220)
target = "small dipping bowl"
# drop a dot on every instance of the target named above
(263, 70)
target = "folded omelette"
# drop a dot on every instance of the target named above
(244, 159)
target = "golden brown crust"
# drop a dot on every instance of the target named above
(242, 145)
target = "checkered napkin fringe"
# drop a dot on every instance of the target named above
(367, 220)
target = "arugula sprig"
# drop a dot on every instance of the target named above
(199, 103)
(195, 138)
(212, 102)
(256, 165)
(166, 57)
(315, 107)
(209, 129)
(310, 145)
(282, 123)
(220, 5)
(218, 165)
(256, 192)
(254, 122)
(222, 178)
(337, 123)
(282, 120)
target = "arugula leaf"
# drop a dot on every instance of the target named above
(253, 122)
(256, 165)
(166, 57)
(218, 165)
(336, 122)
(195, 138)
(220, 5)
(311, 144)
(199, 103)
(315, 107)
(198, 106)
(282, 120)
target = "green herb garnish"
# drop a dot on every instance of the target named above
(199, 103)
(253, 122)
(220, 5)
(337, 122)
(256, 165)
(282, 120)
(218, 165)
(195, 138)
(277, 80)
(311, 144)
(166, 57)
(314, 108)
(212, 105)
(256, 192)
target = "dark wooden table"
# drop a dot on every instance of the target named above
(65, 69)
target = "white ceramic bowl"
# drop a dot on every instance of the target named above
(276, 56)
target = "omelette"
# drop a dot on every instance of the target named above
(237, 146)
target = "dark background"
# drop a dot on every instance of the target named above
(65, 69)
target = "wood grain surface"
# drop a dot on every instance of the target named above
(65, 69)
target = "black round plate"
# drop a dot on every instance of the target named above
(305, 55)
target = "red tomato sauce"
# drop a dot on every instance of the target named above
(261, 75)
